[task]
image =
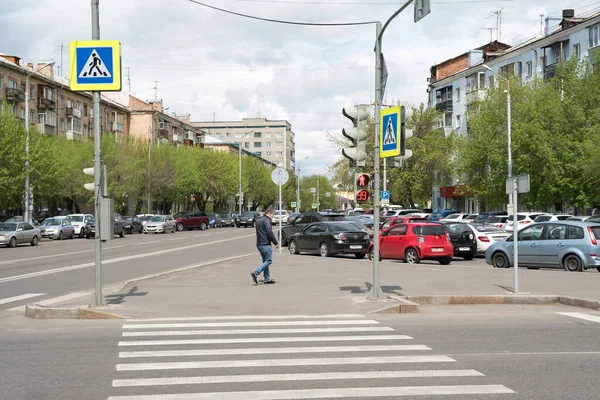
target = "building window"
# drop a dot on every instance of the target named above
(246, 145)
(279, 153)
(268, 153)
(448, 120)
(257, 134)
(48, 93)
(74, 124)
(227, 135)
(47, 118)
(457, 94)
(278, 144)
(458, 121)
(267, 134)
(31, 117)
(85, 110)
(32, 93)
(491, 79)
(280, 163)
(86, 130)
(12, 84)
(23, 86)
(61, 101)
(278, 134)
(70, 104)
(594, 36)
(577, 50)
(246, 135)
(220, 136)
(529, 66)
(1, 81)
(257, 144)
(239, 135)
(61, 126)
(161, 124)
(268, 144)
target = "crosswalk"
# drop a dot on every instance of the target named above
(283, 357)
(28, 298)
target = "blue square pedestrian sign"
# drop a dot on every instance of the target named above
(95, 65)
(389, 132)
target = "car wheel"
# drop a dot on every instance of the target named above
(283, 239)
(60, 235)
(572, 263)
(35, 240)
(499, 260)
(179, 226)
(122, 234)
(72, 236)
(370, 254)
(360, 256)
(468, 257)
(445, 260)
(292, 248)
(412, 257)
(173, 230)
(203, 226)
(324, 250)
(141, 229)
(81, 233)
(598, 268)
(12, 242)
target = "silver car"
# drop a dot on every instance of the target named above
(15, 233)
(572, 245)
(57, 228)
(160, 224)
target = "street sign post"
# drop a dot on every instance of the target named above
(96, 65)
(515, 185)
(280, 177)
(293, 204)
(389, 133)
(314, 206)
(385, 197)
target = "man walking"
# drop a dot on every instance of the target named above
(264, 238)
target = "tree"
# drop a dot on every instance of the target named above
(12, 160)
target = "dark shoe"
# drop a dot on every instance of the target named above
(269, 281)
(254, 277)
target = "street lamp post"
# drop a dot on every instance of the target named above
(28, 205)
(298, 185)
(240, 197)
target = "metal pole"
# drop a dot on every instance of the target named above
(27, 215)
(355, 187)
(515, 240)
(298, 191)
(149, 149)
(318, 201)
(98, 299)
(509, 136)
(376, 292)
(279, 208)
(240, 178)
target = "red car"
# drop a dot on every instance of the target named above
(413, 242)
(400, 220)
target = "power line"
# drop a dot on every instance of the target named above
(278, 21)
(366, 4)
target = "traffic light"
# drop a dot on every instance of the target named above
(362, 187)
(103, 175)
(405, 133)
(357, 154)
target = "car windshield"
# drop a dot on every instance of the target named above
(343, 227)
(158, 218)
(458, 228)
(334, 217)
(6, 227)
(52, 222)
(247, 215)
(128, 219)
(76, 218)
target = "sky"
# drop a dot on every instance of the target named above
(215, 65)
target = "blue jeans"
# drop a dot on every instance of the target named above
(266, 252)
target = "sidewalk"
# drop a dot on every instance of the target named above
(315, 285)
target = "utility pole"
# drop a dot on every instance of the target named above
(541, 25)
(155, 90)
(148, 174)
(240, 200)
(128, 80)
(318, 202)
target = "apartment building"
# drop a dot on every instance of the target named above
(455, 85)
(233, 149)
(272, 140)
(53, 108)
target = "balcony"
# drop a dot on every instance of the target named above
(47, 129)
(73, 112)
(163, 133)
(118, 126)
(445, 105)
(46, 103)
(475, 96)
(178, 138)
(15, 95)
(71, 135)
(549, 71)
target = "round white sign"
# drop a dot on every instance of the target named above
(280, 176)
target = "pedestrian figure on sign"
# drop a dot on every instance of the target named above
(264, 238)
(95, 65)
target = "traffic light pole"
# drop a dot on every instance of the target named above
(98, 298)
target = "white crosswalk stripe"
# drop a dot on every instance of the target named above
(578, 315)
(25, 296)
(275, 357)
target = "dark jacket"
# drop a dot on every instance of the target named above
(264, 232)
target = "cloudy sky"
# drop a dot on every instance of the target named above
(213, 64)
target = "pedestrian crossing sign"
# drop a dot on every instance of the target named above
(389, 132)
(95, 65)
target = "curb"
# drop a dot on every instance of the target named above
(40, 312)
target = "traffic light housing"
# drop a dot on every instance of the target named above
(103, 175)
(405, 133)
(357, 153)
(362, 187)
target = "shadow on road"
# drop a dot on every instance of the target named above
(359, 289)
(119, 298)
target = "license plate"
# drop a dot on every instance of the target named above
(437, 249)
(464, 249)
(355, 246)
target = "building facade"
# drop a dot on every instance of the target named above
(272, 140)
(455, 85)
(233, 149)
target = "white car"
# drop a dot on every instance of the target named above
(524, 218)
(456, 217)
(555, 217)
(160, 224)
(499, 221)
(79, 222)
(280, 215)
(486, 235)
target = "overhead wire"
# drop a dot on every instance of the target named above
(377, 3)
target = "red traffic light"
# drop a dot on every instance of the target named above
(362, 196)
(363, 180)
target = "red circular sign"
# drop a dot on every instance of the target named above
(363, 180)
(362, 196)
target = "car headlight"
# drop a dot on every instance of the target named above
(366, 237)
(2, 237)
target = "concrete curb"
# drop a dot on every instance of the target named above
(403, 306)
(40, 312)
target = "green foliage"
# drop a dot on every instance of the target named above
(12, 160)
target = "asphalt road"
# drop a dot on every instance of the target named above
(56, 269)
(475, 352)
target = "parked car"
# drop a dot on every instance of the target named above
(413, 242)
(280, 215)
(246, 219)
(118, 228)
(499, 221)
(401, 220)
(13, 234)
(437, 215)
(454, 217)
(144, 217)
(572, 245)
(214, 220)
(483, 216)
(554, 217)
(160, 224)
(133, 224)
(328, 238)
(227, 219)
(19, 218)
(524, 219)
(463, 239)
(57, 228)
(302, 220)
(79, 222)
(191, 220)
(486, 235)
(470, 218)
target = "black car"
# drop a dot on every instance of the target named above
(133, 224)
(247, 218)
(463, 239)
(227, 219)
(119, 228)
(302, 220)
(330, 238)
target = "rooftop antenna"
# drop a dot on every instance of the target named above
(491, 30)
(214, 118)
(61, 61)
(155, 90)
(498, 14)
(128, 80)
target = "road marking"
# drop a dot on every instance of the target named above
(269, 350)
(264, 340)
(190, 380)
(150, 242)
(586, 317)
(115, 260)
(56, 255)
(548, 353)
(237, 317)
(281, 362)
(253, 323)
(20, 297)
(259, 331)
(53, 300)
